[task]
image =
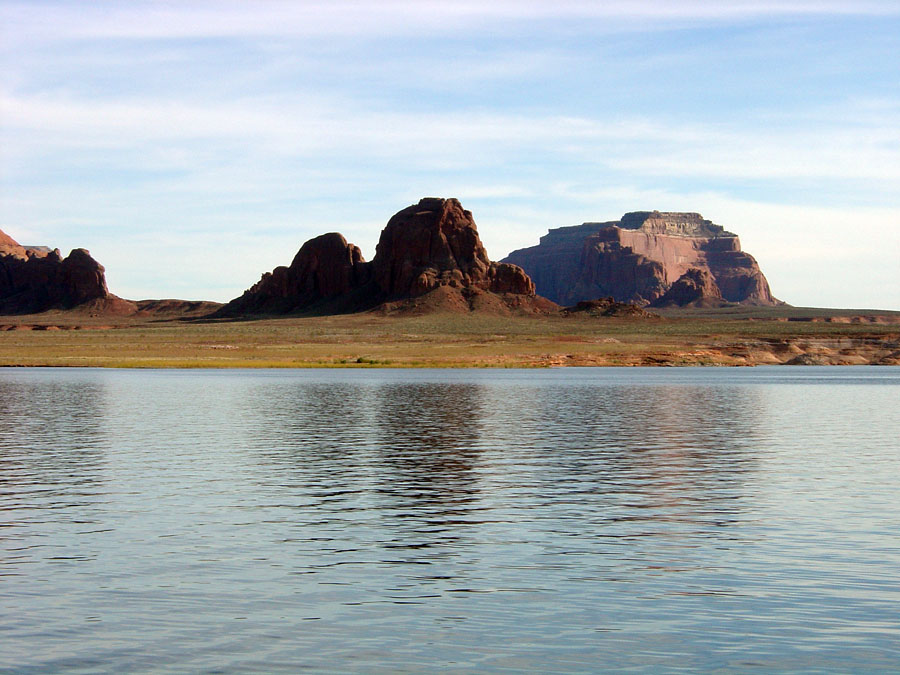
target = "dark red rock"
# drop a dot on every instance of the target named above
(639, 257)
(83, 278)
(436, 243)
(607, 307)
(696, 287)
(36, 279)
(430, 246)
(325, 268)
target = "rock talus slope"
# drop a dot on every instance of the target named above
(639, 258)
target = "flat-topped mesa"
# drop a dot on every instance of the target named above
(638, 258)
(35, 279)
(673, 223)
(428, 249)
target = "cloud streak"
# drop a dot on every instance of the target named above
(645, 147)
(224, 18)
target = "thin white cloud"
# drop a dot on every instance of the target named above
(636, 146)
(224, 18)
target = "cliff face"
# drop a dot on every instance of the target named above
(638, 258)
(425, 248)
(435, 243)
(35, 279)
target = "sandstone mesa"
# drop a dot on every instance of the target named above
(640, 258)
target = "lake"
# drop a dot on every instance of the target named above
(567, 520)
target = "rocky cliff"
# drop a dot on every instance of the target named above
(429, 253)
(639, 258)
(35, 279)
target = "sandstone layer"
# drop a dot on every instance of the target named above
(639, 258)
(35, 278)
(429, 257)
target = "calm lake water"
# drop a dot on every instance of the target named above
(393, 520)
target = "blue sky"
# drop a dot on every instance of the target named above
(193, 145)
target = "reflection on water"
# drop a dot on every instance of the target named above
(411, 520)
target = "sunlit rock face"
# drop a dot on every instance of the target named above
(436, 243)
(638, 258)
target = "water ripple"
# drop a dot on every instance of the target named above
(561, 521)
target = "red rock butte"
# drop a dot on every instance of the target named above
(37, 278)
(429, 255)
(640, 258)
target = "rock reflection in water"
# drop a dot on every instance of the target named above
(429, 440)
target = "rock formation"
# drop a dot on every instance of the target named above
(428, 249)
(35, 279)
(325, 268)
(695, 287)
(607, 307)
(638, 258)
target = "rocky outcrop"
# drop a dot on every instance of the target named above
(325, 268)
(607, 307)
(638, 258)
(35, 279)
(695, 288)
(436, 243)
(425, 248)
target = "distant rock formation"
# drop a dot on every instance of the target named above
(695, 287)
(607, 307)
(428, 249)
(35, 278)
(639, 258)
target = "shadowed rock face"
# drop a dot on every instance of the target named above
(325, 267)
(695, 287)
(638, 258)
(429, 246)
(35, 279)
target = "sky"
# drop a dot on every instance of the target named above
(193, 145)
